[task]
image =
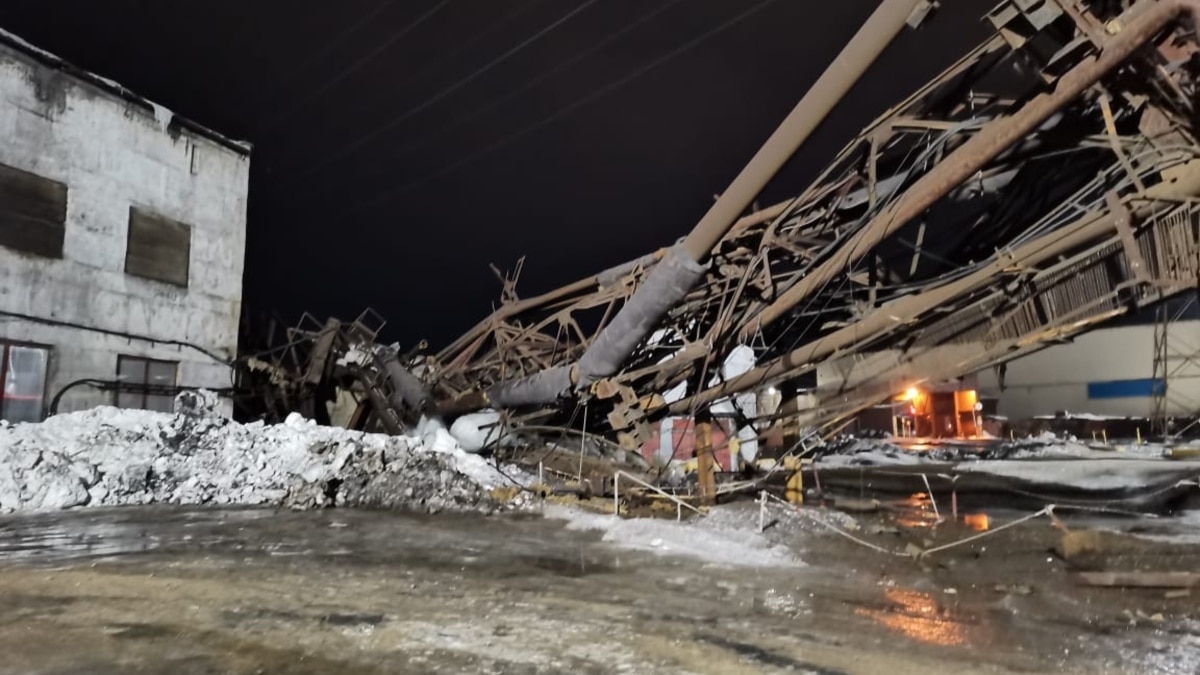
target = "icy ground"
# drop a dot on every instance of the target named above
(724, 537)
(109, 456)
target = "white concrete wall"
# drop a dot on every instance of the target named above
(113, 154)
(1056, 378)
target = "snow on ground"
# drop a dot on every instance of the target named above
(111, 456)
(880, 457)
(1099, 474)
(724, 537)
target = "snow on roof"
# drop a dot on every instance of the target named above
(163, 115)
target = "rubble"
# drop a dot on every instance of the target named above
(110, 457)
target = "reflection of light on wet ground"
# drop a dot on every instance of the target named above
(915, 511)
(917, 616)
(980, 522)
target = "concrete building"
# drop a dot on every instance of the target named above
(122, 240)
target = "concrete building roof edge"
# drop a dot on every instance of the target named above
(54, 61)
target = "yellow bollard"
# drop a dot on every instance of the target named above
(795, 488)
(1139, 435)
(1104, 432)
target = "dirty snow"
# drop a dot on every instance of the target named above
(881, 457)
(1097, 474)
(110, 456)
(724, 537)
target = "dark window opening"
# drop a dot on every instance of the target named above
(158, 248)
(22, 382)
(33, 213)
(147, 384)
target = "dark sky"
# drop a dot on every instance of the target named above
(403, 145)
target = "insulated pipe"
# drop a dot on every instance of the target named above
(1136, 27)
(609, 276)
(407, 389)
(672, 278)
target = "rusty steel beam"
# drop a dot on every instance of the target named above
(1134, 29)
(591, 283)
(863, 49)
(681, 268)
(903, 310)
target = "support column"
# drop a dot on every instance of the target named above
(704, 461)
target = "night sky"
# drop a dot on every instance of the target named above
(403, 145)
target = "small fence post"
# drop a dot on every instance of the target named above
(617, 494)
(762, 510)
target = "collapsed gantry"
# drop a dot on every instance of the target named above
(1044, 183)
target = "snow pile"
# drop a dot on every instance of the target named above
(723, 537)
(110, 456)
(851, 451)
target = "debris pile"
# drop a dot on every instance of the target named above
(109, 457)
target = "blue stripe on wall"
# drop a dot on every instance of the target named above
(1126, 388)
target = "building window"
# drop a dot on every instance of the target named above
(33, 213)
(147, 384)
(22, 382)
(158, 248)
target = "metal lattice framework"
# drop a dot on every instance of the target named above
(1043, 184)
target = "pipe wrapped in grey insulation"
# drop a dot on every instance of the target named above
(612, 275)
(537, 389)
(666, 285)
(406, 388)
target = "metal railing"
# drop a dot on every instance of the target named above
(679, 503)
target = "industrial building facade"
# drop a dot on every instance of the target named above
(1142, 367)
(122, 242)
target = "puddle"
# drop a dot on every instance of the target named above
(921, 617)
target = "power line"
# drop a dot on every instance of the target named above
(462, 46)
(363, 140)
(357, 65)
(501, 100)
(321, 53)
(562, 112)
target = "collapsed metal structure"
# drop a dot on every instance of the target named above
(1045, 183)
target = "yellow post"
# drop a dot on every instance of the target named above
(1104, 432)
(795, 488)
(704, 463)
(1139, 435)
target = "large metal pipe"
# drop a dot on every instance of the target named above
(588, 284)
(1136, 27)
(867, 44)
(667, 284)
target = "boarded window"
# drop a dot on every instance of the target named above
(148, 384)
(33, 211)
(158, 248)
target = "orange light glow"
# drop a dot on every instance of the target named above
(910, 394)
(977, 521)
(918, 616)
